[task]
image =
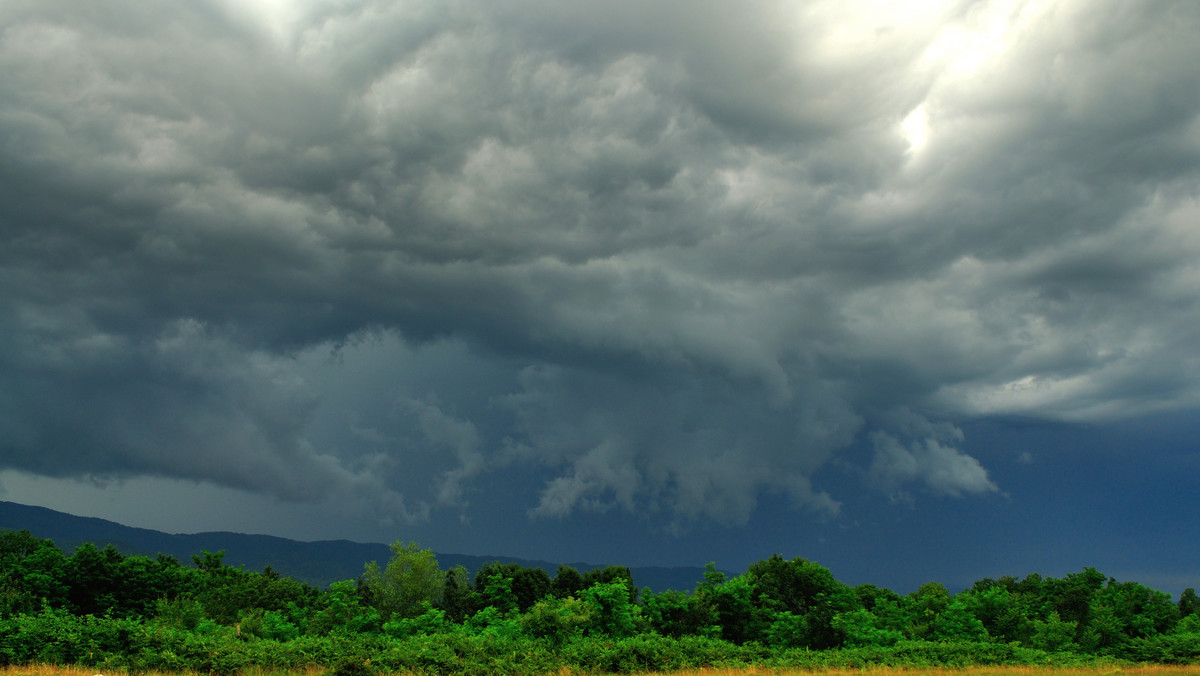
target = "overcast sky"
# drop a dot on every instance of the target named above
(907, 288)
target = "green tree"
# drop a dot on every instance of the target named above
(611, 610)
(927, 602)
(528, 584)
(804, 596)
(1124, 611)
(458, 599)
(340, 609)
(738, 613)
(32, 571)
(567, 582)
(495, 592)
(888, 607)
(713, 577)
(997, 609)
(212, 563)
(956, 623)
(1189, 603)
(863, 628)
(411, 578)
(558, 619)
(93, 576)
(675, 614)
(1070, 597)
(143, 581)
(1053, 634)
(612, 574)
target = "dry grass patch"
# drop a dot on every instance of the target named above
(1125, 670)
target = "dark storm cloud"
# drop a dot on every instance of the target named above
(681, 255)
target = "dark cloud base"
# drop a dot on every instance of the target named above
(414, 261)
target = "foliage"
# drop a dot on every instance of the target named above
(558, 620)
(612, 612)
(108, 612)
(496, 593)
(675, 614)
(567, 582)
(458, 599)
(341, 610)
(1189, 603)
(431, 621)
(412, 578)
(862, 628)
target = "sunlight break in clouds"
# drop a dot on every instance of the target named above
(915, 129)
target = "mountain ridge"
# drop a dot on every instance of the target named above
(317, 562)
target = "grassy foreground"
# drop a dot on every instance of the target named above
(1108, 670)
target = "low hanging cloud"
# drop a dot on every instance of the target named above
(945, 470)
(673, 256)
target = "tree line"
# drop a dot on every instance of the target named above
(98, 607)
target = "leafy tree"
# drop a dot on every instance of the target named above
(495, 592)
(998, 611)
(1053, 634)
(276, 592)
(567, 582)
(32, 571)
(612, 574)
(341, 609)
(675, 614)
(1189, 603)
(212, 563)
(181, 613)
(1189, 625)
(432, 621)
(956, 623)
(16, 545)
(458, 599)
(1070, 597)
(1123, 611)
(143, 581)
(558, 619)
(807, 591)
(738, 612)
(713, 577)
(528, 585)
(927, 602)
(268, 624)
(227, 593)
(612, 612)
(861, 627)
(93, 577)
(869, 596)
(412, 577)
(889, 609)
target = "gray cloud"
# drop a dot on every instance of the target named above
(674, 257)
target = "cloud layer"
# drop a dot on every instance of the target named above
(667, 256)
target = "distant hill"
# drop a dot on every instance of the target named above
(317, 563)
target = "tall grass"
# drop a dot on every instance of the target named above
(54, 670)
(1108, 670)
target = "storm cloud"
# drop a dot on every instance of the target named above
(668, 257)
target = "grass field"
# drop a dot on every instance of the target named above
(1123, 670)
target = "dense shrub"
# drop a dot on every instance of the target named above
(212, 618)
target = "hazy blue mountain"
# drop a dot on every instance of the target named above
(317, 563)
